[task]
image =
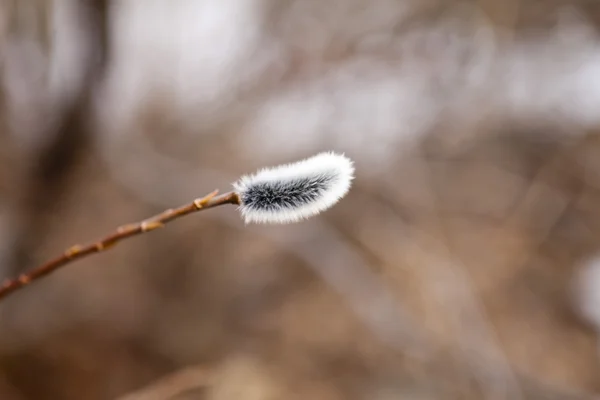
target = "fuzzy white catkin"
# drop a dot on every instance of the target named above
(296, 191)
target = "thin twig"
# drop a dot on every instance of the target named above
(173, 386)
(126, 231)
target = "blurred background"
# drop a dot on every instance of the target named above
(463, 264)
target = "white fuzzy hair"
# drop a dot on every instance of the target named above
(296, 191)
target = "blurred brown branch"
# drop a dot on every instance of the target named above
(123, 232)
(177, 383)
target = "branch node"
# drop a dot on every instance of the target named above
(126, 228)
(202, 202)
(147, 226)
(73, 250)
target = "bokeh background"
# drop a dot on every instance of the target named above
(464, 263)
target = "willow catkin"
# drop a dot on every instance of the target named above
(296, 191)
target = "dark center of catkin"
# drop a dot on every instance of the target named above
(288, 194)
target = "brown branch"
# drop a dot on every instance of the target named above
(123, 232)
(174, 385)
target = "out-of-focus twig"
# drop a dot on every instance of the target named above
(173, 385)
(126, 231)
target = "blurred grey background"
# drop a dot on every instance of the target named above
(464, 263)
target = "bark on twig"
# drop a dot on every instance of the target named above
(126, 231)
